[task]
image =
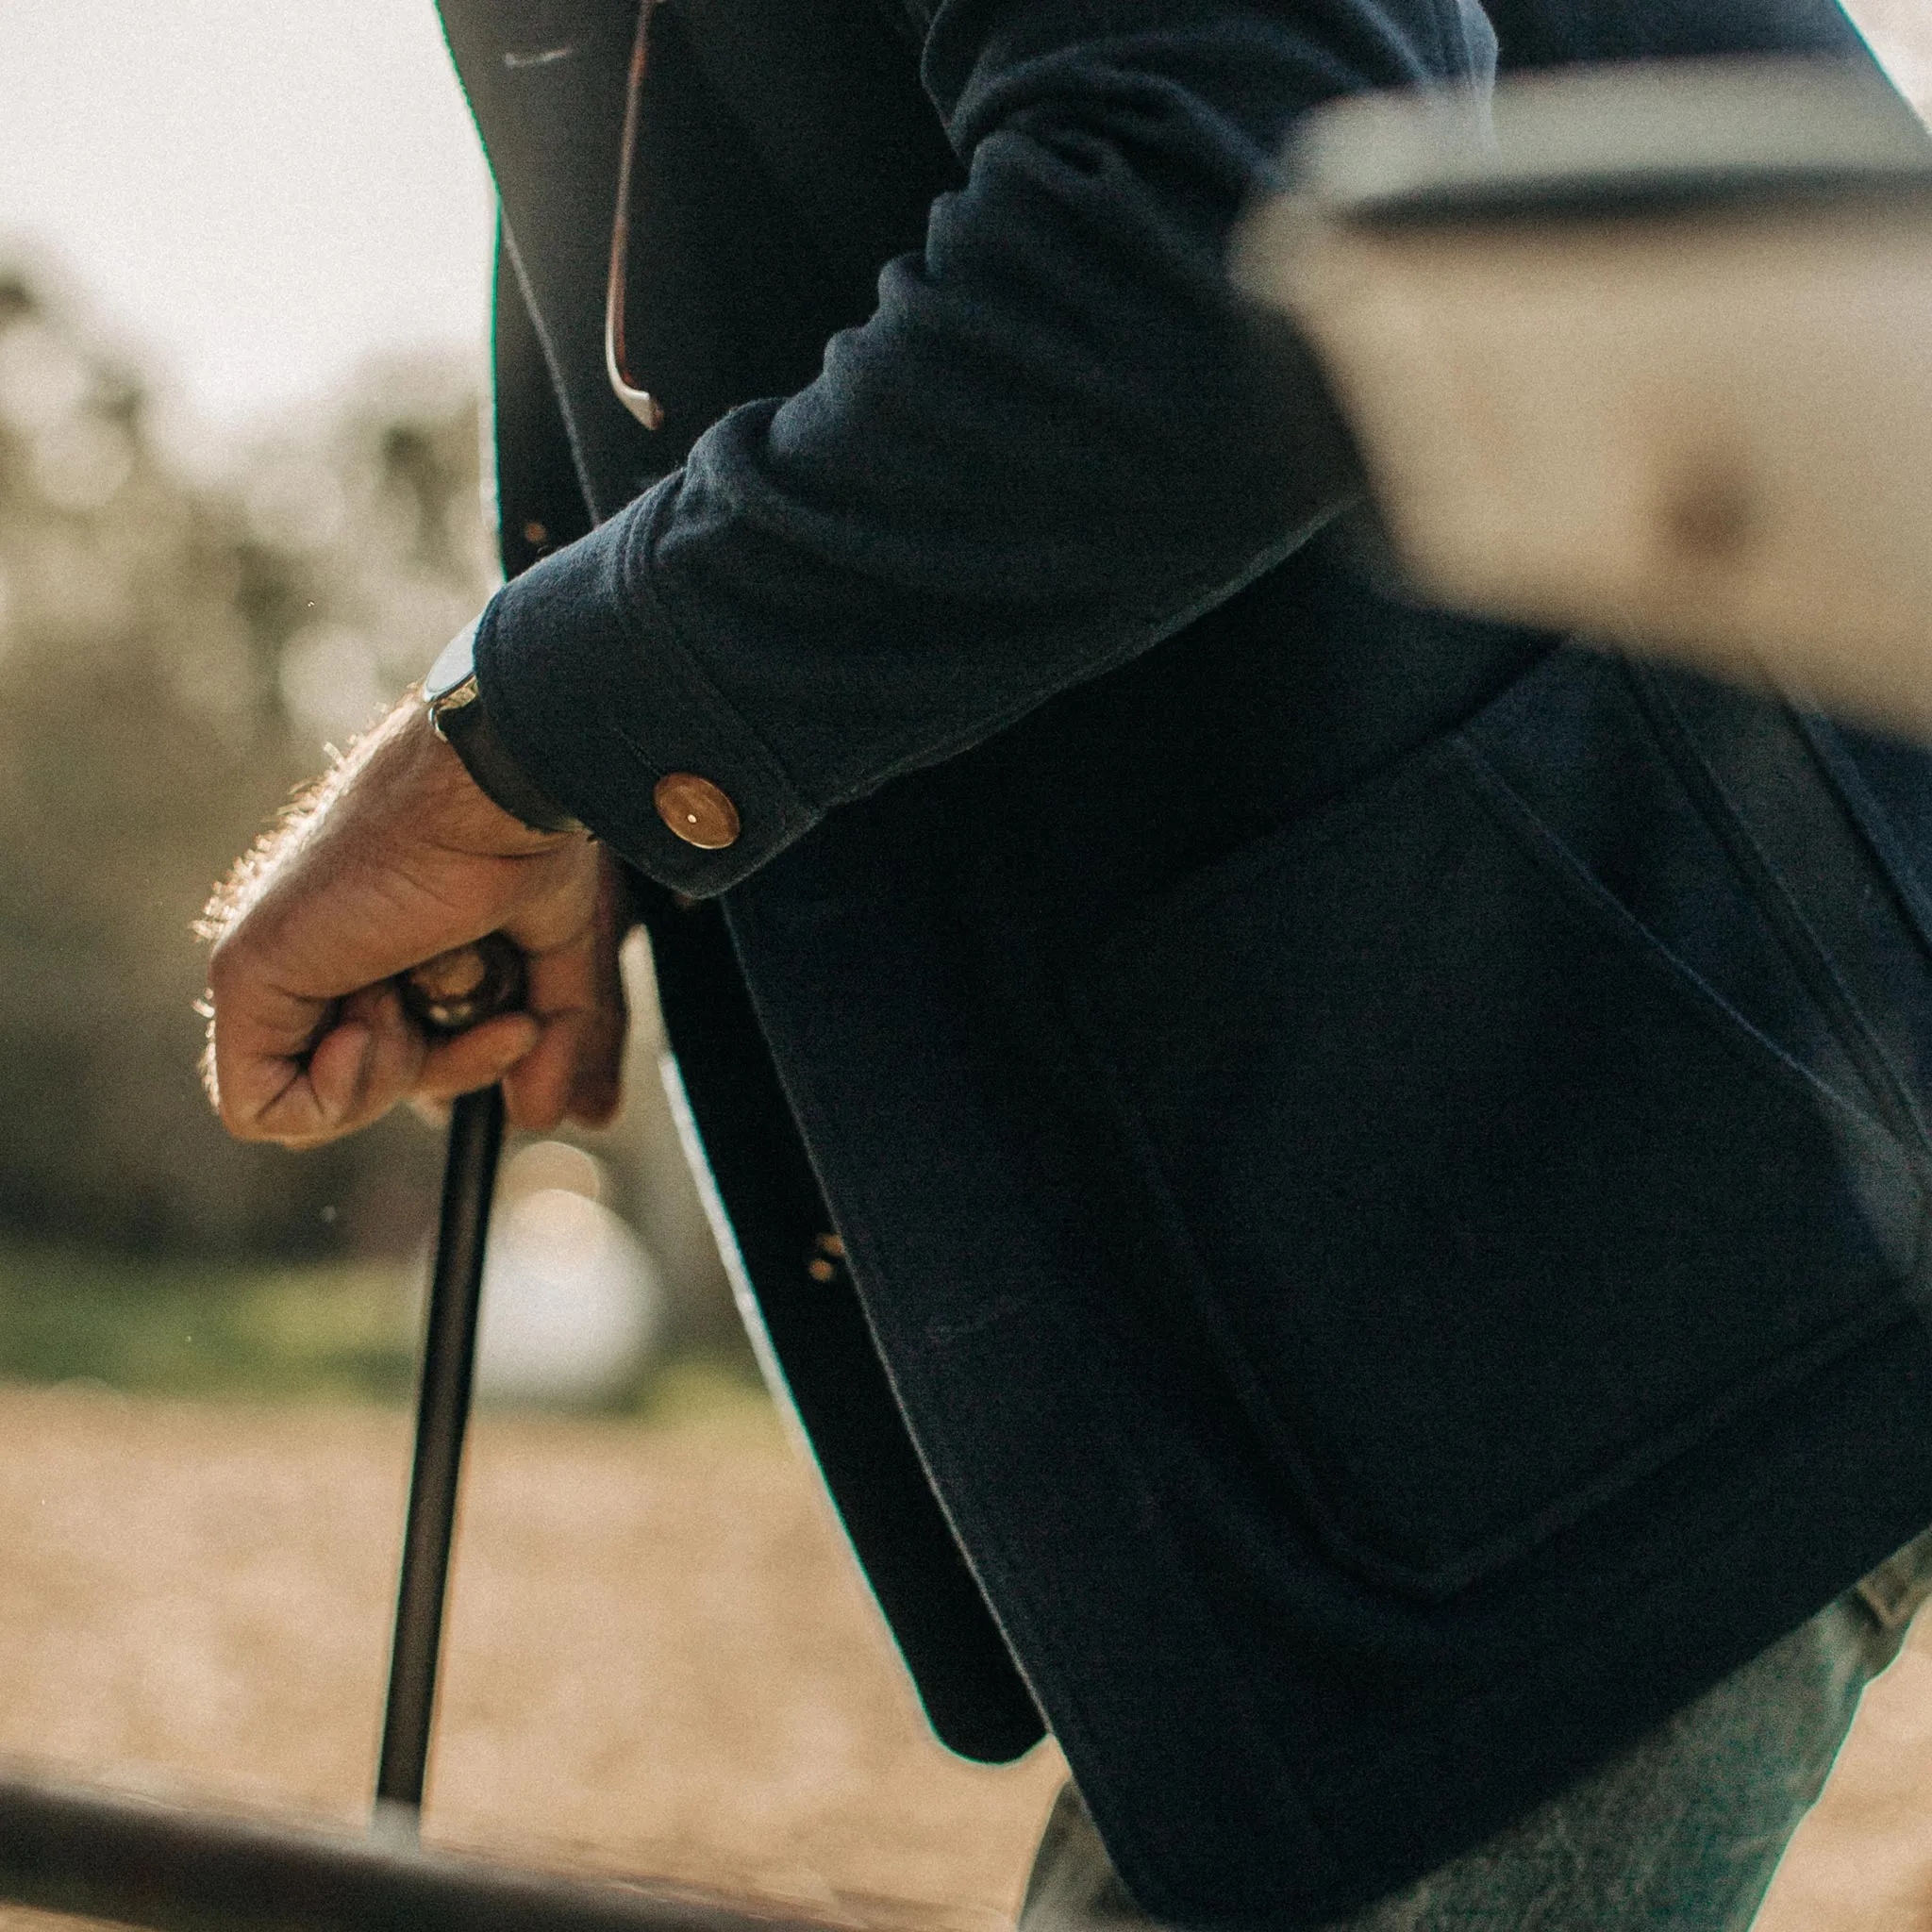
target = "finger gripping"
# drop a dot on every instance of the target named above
(462, 987)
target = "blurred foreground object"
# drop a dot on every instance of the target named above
(71, 1850)
(1643, 351)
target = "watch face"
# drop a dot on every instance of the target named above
(456, 661)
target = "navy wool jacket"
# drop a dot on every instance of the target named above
(1380, 1158)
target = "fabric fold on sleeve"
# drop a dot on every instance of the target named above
(1058, 440)
(592, 695)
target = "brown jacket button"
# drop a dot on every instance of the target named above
(696, 810)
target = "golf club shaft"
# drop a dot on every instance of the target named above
(476, 1137)
(447, 994)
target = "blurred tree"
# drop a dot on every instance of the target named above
(144, 624)
(174, 657)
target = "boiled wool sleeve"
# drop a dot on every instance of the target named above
(1059, 439)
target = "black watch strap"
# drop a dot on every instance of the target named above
(465, 728)
(456, 711)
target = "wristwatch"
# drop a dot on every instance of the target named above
(456, 712)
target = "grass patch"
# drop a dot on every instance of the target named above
(705, 1390)
(345, 1331)
(205, 1328)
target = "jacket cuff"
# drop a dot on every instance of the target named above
(606, 712)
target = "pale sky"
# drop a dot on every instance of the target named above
(255, 194)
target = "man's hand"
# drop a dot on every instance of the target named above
(397, 857)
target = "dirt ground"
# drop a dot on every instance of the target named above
(659, 1660)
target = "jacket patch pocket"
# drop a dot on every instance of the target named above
(1491, 1201)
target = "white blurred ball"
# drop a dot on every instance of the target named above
(571, 1300)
